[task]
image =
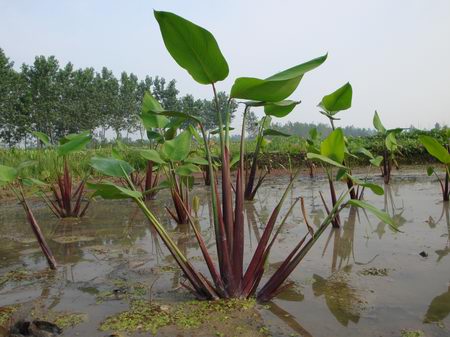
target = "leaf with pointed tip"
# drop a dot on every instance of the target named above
(377, 123)
(32, 182)
(7, 174)
(42, 137)
(179, 147)
(333, 146)
(152, 155)
(383, 216)
(377, 189)
(153, 121)
(112, 191)
(280, 109)
(72, 136)
(365, 152)
(391, 142)
(74, 144)
(430, 171)
(27, 163)
(150, 104)
(272, 132)
(325, 159)
(339, 100)
(193, 48)
(197, 160)
(187, 169)
(376, 161)
(154, 136)
(435, 149)
(340, 174)
(274, 88)
(111, 167)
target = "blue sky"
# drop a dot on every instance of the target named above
(396, 53)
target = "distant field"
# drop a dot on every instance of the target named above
(278, 151)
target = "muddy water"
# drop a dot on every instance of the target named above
(360, 280)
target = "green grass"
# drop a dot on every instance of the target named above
(276, 152)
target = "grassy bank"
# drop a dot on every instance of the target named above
(278, 152)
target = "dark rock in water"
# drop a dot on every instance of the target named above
(21, 328)
(423, 254)
(47, 326)
(35, 329)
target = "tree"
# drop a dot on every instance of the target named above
(13, 121)
(252, 125)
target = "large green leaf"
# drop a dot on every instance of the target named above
(193, 48)
(111, 167)
(377, 123)
(42, 137)
(376, 161)
(274, 88)
(153, 121)
(178, 148)
(280, 109)
(339, 100)
(312, 155)
(150, 104)
(391, 142)
(187, 169)
(7, 174)
(377, 189)
(333, 146)
(72, 136)
(272, 132)
(365, 152)
(150, 110)
(112, 191)
(383, 216)
(33, 182)
(435, 149)
(197, 160)
(152, 155)
(74, 143)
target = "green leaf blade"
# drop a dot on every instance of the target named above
(7, 174)
(333, 146)
(194, 48)
(435, 149)
(111, 167)
(339, 100)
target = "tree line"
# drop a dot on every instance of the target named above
(59, 100)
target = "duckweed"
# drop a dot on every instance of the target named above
(149, 317)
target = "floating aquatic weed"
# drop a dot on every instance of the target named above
(412, 333)
(373, 271)
(151, 316)
(6, 314)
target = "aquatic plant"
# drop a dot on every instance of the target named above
(390, 147)
(14, 180)
(67, 199)
(441, 153)
(263, 132)
(196, 50)
(331, 155)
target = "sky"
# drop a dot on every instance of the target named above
(396, 54)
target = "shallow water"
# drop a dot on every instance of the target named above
(361, 280)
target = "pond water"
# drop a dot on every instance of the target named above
(360, 280)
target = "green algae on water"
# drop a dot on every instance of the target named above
(149, 317)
